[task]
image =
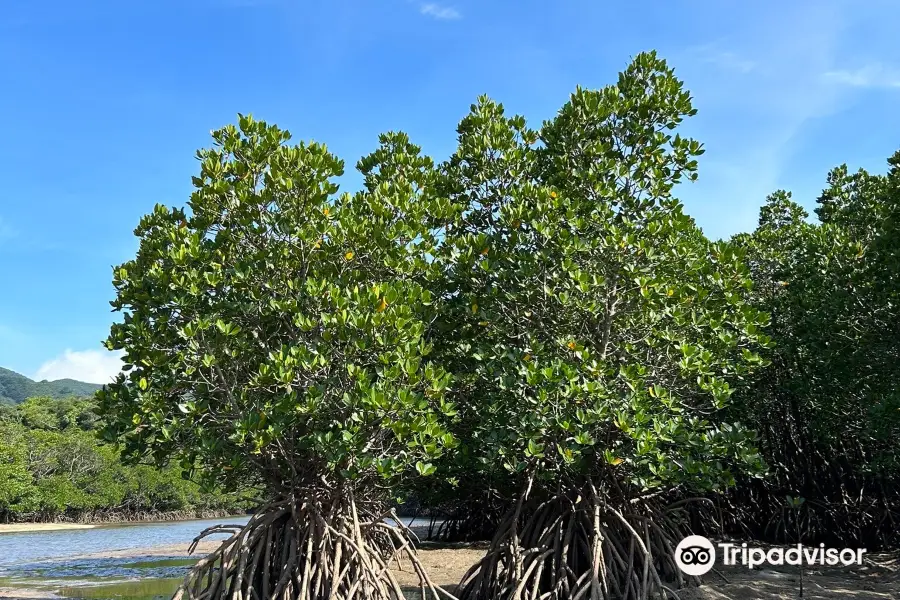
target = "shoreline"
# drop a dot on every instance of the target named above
(35, 527)
(38, 526)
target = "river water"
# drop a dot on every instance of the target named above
(23, 548)
(59, 563)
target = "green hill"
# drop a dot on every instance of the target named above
(15, 388)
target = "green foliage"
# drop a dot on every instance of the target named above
(595, 331)
(15, 388)
(832, 290)
(827, 406)
(52, 464)
(54, 415)
(17, 490)
(276, 331)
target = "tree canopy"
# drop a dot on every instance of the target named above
(276, 330)
(590, 298)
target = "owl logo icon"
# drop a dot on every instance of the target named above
(695, 555)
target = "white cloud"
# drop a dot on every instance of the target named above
(440, 12)
(875, 75)
(92, 366)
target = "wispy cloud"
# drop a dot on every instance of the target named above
(870, 76)
(732, 62)
(437, 11)
(12, 336)
(246, 3)
(770, 75)
(92, 366)
(6, 230)
(724, 59)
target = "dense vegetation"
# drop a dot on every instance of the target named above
(15, 388)
(53, 467)
(532, 332)
(827, 406)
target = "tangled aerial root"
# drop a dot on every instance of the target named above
(307, 549)
(474, 520)
(580, 546)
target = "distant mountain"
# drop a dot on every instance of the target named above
(15, 388)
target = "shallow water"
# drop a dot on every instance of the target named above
(143, 589)
(101, 588)
(55, 562)
(28, 547)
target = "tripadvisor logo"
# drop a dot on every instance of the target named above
(696, 555)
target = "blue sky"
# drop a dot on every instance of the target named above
(104, 103)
